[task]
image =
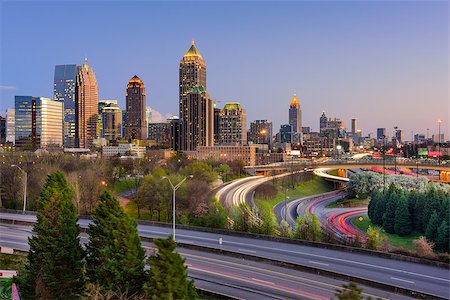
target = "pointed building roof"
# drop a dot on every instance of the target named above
(86, 64)
(193, 51)
(294, 102)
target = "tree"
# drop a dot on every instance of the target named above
(350, 291)
(432, 229)
(223, 170)
(374, 238)
(442, 240)
(402, 225)
(55, 268)
(115, 259)
(168, 274)
(284, 229)
(308, 228)
(201, 171)
(389, 213)
(423, 247)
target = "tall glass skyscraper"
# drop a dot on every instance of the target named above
(64, 91)
(38, 122)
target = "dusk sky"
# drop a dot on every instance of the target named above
(384, 62)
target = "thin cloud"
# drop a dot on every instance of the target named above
(7, 88)
(158, 117)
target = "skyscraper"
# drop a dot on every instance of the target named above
(295, 115)
(101, 105)
(198, 122)
(192, 74)
(136, 105)
(2, 130)
(64, 85)
(38, 122)
(10, 125)
(111, 122)
(285, 134)
(381, 134)
(86, 106)
(232, 125)
(354, 125)
(323, 121)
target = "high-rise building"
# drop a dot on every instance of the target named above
(381, 134)
(295, 115)
(233, 125)
(2, 130)
(38, 123)
(323, 121)
(86, 106)
(354, 125)
(197, 124)
(192, 74)
(112, 123)
(217, 112)
(260, 132)
(64, 85)
(175, 134)
(10, 125)
(160, 133)
(400, 136)
(285, 134)
(136, 105)
(102, 104)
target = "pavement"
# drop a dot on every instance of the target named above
(232, 277)
(418, 277)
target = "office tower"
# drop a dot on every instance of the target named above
(192, 73)
(10, 125)
(419, 138)
(124, 119)
(136, 105)
(160, 133)
(354, 125)
(217, 112)
(64, 85)
(198, 124)
(260, 132)
(323, 121)
(295, 115)
(111, 123)
(2, 130)
(400, 136)
(285, 134)
(101, 105)
(148, 119)
(381, 134)
(175, 134)
(38, 123)
(233, 125)
(86, 106)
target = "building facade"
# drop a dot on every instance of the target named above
(160, 133)
(136, 106)
(323, 121)
(86, 106)
(101, 105)
(246, 154)
(112, 123)
(232, 125)
(260, 132)
(64, 85)
(295, 115)
(285, 134)
(2, 130)
(38, 123)
(10, 125)
(192, 73)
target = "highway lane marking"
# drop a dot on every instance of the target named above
(246, 250)
(263, 281)
(404, 280)
(318, 263)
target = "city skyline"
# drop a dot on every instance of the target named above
(414, 57)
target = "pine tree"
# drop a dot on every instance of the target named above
(115, 259)
(442, 240)
(402, 225)
(379, 210)
(55, 268)
(168, 274)
(432, 229)
(389, 214)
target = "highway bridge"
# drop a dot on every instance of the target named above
(243, 279)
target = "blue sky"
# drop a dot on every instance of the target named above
(384, 62)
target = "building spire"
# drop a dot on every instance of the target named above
(192, 52)
(294, 102)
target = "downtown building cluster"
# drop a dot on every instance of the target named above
(75, 120)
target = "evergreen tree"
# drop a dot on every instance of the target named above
(115, 259)
(432, 229)
(419, 204)
(378, 210)
(433, 201)
(389, 213)
(168, 274)
(350, 291)
(402, 225)
(55, 268)
(442, 240)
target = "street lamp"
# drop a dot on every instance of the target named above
(24, 186)
(174, 189)
(338, 148)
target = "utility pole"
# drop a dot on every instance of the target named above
(24, 186)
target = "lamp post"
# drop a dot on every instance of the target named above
(174, 189)
(439, 142)
(338, 148)
(285, 204)
(384, 163)
(24, 186)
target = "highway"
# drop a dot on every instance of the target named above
(418, 277)
(233, 277)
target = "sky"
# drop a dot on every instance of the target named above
(383, 62)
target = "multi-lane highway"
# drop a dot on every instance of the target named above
(233, 277)
(418, 277)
